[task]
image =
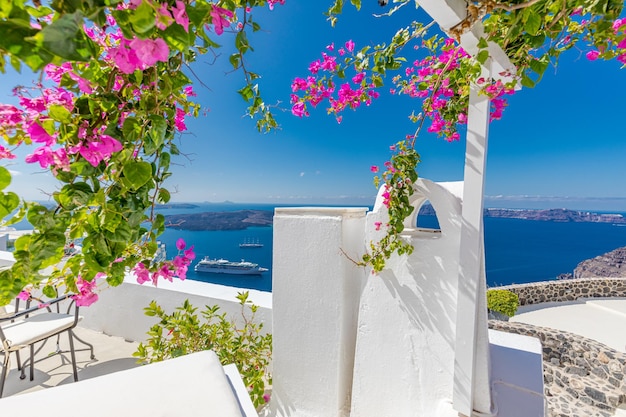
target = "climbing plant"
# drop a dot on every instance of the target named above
(532, 33)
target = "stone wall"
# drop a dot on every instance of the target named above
(582, 377)
(567, 289)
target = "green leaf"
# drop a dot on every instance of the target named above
(482, 43)
(5, 178)
(143, 19)
(75, 195)
(131, 129)
(241, 42)
(122, 233)
(65, 38)
(246, 93)
(527, 82)
(15, 39)
(177, 38)
(60, 113)
(8, 202)
(482, 56)
(356, 4)
(533, 23)
(235, 60)
(164, 196)
(136, 174)
(157, 131)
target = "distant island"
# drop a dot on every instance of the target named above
(176, 206)
(221, 220)
(554, 215)
(242, 219)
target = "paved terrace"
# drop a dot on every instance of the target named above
(603, 320)
(112, 354)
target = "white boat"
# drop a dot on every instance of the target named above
(247, 244)
(223, 266)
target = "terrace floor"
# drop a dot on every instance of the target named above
(112, 354)
(598, 319)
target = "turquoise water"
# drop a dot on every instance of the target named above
(517, 251)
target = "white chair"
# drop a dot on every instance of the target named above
(24, 328)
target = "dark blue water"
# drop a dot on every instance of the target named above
(517, 251)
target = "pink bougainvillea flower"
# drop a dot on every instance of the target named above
(149, 51)
(24, 295)
(180, 244)
(163, 17)
(618, 23)
(5, 153)
(142, 273)
(180, 15)
(219, 18)
(374, 169)
(298, 109)
(329, 63)
(86, 295)
(179, 120)
(592, 55)
(377, 225)
(358, 78)
(350, 45)
(42, 155)
(190, 254)
(10, 116)
(315, 66)
(125, 59)
(271, 3)
(189, 91)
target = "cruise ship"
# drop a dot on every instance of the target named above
(223, 266)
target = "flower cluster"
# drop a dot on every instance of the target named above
(169, 269)
(619, 30)
(319, 86)
(440, 80)
(86, 295)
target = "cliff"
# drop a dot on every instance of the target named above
(222, 220)
(611, 265)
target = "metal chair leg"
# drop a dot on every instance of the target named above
(93, 356)
(73, 354)
(32, 361)
(5, 371)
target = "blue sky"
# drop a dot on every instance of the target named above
(561, 144)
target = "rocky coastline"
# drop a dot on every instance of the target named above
(610, 265)
(222, 220)
(552, 215)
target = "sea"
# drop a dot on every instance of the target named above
(516, 251)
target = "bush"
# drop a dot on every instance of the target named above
(183, 332)
(502, 301)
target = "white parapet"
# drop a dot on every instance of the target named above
(404, 363)
(316, 290)
(120, 310)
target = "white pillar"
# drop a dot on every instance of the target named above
(316, 292)
(471, 374)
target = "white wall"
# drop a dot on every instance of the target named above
(404, 361)
(316, 291)
(120, 310)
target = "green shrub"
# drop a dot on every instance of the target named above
(183, 332)
(502, 301)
